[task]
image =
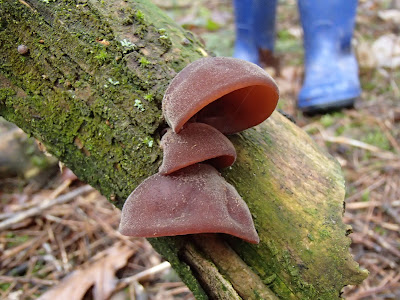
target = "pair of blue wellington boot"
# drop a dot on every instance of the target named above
(331, 72)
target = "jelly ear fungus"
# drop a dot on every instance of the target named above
(227, 93)
(193, 200)
(197, 142)
(188, 196)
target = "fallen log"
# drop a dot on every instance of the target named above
(89, 85)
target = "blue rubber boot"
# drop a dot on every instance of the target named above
(331, 72)
(255, 28)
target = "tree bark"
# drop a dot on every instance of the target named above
(90, 88)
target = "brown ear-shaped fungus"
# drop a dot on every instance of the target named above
(193, 200)
(229, 94)
(197, 142)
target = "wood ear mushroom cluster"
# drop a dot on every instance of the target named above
(207, 99)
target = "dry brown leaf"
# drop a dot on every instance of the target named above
(390, 15)
(387, 50)
(103, 42)
(366, 58)
(100, 275)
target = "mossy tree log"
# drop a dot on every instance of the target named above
(90, 89)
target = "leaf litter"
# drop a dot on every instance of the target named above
(99, 275)
(71, 249)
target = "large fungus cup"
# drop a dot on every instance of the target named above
(193, 200)
(227, 93)
(197, 142)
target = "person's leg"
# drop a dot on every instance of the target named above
(331, 70)
(255, 28)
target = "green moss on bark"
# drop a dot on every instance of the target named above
(285, 186)
(168, 247)
(78, 85)
(81, 83)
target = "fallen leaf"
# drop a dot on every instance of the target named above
(100, 275)
(366, 58)
(387, 51)
(103, 42)
(390, 15)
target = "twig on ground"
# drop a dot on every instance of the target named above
(375, 290)
(370, 188)
(145, 274)
(378, 152)
(26, 280)
(43, 206)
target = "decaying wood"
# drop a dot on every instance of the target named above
(90, 88)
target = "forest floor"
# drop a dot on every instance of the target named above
(52, 225)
